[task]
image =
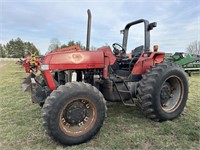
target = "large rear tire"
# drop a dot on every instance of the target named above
(74, 113)
(163, 91)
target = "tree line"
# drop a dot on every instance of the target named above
(16, 48)
(194, 48)
(56, 44)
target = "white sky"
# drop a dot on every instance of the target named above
(38, 21)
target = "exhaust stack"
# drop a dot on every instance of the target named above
(88, 30)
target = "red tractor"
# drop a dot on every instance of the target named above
(73, 112)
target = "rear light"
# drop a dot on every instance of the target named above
(44, 67)
(155, 48)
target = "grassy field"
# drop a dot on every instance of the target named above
(124, 127)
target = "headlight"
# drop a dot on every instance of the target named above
(44, 67)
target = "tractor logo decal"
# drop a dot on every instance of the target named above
(76, 58)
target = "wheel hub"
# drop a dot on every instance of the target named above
(171, 94)
(75, 113)
(165, 93)
(77, 117)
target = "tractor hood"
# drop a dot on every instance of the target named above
(73, 60)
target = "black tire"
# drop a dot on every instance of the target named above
(163, 91)
(65, 110)
(41, 104)
(189, 73)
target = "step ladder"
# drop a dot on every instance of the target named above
(127, 90)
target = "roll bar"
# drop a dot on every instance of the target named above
(147, 28)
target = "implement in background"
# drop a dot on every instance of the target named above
(190, 62)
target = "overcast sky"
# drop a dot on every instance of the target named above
(38, 21)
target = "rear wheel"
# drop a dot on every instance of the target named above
(74, 113)
(163, 92)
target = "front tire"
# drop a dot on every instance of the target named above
(163, 92)
(74, 113)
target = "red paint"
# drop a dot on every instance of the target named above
(79, 59)
(108, 53)
(50, 80)
(108, 60)
(76, 48)
(29, 61)
(145, 62)
(75, 60)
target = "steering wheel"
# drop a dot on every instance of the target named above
(117, 48)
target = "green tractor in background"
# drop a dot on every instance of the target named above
(189, 62)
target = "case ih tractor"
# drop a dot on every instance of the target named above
(73, 112)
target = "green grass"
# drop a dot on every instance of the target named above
(124, 127)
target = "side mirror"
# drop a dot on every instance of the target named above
(152, 25)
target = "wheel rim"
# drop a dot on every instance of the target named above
(77, 117)
(171, 94)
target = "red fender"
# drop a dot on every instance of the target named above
(147, 60)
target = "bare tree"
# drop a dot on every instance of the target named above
(55, 44)
(194, 48)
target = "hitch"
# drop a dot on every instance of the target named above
(33, 84)
(26, 85)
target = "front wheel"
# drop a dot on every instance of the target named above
(74, 113)
(163, 92)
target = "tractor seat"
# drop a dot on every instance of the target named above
(137, 51)
(135, 54)
(123, 66)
